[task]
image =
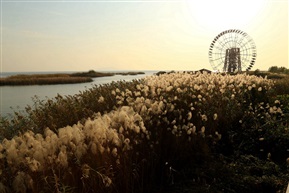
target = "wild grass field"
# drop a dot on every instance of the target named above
(177, 132)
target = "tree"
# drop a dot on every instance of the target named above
(277, 69)
(273, 69)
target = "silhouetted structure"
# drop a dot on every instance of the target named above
(232, 60)
(232, 51)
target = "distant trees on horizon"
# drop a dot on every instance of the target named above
(277, 69)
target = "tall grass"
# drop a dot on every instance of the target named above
(149, 134)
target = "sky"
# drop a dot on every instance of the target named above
(60, 35)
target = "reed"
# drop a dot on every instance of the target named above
(208, 132)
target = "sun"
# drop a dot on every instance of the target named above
(223, 14)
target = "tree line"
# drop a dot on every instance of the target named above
(277, 69)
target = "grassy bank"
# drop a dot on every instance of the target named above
(46, 79)
(94, 74)
(178, 132)
(42, 79)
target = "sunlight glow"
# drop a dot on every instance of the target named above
(224, 14)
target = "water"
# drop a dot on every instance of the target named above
(16, 98)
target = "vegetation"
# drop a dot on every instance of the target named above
(44, 79)
(177, 132)
(277, 69)
(94, 74)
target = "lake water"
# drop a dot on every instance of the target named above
(16, 98)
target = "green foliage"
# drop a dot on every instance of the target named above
(281, 86)
(277, 69)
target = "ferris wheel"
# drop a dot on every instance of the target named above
(232, 51)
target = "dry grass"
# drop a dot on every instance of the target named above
(145, 135)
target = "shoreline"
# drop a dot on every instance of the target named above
(58, 78)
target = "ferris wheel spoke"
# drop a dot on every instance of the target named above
(216, 59)
(232, 41)
(227, 42)
(248, 42)
(219, 48)
(246, 60)
(241, 40)
(221, 44)
(250, 54)
(220, 64)
(222, 40)
(235, 39)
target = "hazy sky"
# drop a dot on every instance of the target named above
(75, 35)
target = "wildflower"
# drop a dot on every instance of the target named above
(172, 108)
(215, 116)
(85, 170)
(260, 89)
(203, 129)
(174, 122)
(136, 129)
(107, 181)
(219, 136)
(138, 87)
(261, 139)
(168, 89)
(114, 152)
(34, 165)
(121, 129)
(273, 110)
(279, 110)
(127, 141)
(179, 90)
(189, 116)
(175, 129)
(101, 99)
(194, 129)
(269, 156)
(62, 157)
(137, 93)
(204, 117)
